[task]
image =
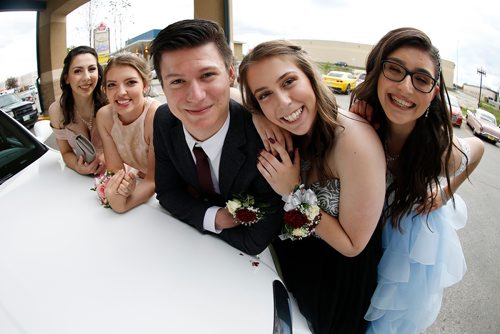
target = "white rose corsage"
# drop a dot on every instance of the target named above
(100, 183)
(302, 213)
(245, 210)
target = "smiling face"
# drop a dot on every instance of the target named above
(125, 91)
(83, 74)
(402, 103)
(284, 93)
(196, 84)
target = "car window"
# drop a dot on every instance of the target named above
(488, 118)
(335, 74)
(7, 99)
(17, 148)
(454, 101)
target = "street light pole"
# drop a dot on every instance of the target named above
(481, 72)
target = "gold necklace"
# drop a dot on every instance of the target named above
(88, 124)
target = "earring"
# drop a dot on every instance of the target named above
(427, 111)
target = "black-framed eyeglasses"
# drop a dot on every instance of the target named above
(396, 72)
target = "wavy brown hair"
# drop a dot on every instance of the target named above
(67, 101)
(322, 134)
(427, 150)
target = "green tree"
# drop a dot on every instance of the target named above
(11, 83)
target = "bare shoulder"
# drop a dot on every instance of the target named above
(355, 129)
(104, 117)
(153, 107)
(56, 114)
(357, 148)
(104, 112)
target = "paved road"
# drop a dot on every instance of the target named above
(473, 305)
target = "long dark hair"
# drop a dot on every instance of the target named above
(326, 121)
(67, 101)
(427, 150)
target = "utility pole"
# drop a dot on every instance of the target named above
(481, 72)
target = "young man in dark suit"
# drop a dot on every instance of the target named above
(195, 68)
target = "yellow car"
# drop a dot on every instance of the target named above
(340, 81)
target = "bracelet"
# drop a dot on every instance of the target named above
(302, 213)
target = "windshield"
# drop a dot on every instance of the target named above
(454, 101)
(489, 119)
(8, 99)
(17, 148)
(336, 74)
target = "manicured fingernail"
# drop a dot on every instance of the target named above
(272, 141)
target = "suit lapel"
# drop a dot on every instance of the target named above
(232, 158)
(183, 158)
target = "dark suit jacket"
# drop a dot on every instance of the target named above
(177, 186)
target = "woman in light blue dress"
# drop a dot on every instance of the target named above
(425, 165)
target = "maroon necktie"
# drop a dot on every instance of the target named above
(203, 170)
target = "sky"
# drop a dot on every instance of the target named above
(466, 33)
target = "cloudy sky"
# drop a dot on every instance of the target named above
(467, 33)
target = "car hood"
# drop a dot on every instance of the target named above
(487, 127)
(68, 265)
(15, 105)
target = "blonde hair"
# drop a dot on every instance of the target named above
(129, 59)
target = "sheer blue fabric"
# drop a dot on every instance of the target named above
(416, 266)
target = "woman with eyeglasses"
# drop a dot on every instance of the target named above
(408, 101)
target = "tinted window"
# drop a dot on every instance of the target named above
(17, 148)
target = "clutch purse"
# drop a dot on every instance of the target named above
(84, 148)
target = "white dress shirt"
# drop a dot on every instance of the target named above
(213, 149)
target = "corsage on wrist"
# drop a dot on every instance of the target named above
(100, 187)
(245, 210)
(302, 213)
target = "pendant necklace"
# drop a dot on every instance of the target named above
(87, 123)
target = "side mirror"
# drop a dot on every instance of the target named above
(42, 130)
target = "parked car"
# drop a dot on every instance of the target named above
(340, 81)
(361, 78)
(341, 64)
(23, 111)
(456, 111)
(69, 265)
(484, 124)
